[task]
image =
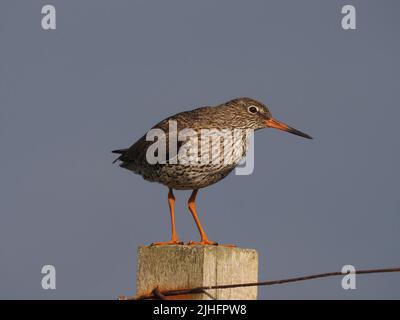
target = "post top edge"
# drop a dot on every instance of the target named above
(193, 248)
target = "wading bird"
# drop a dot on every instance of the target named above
(241, 113)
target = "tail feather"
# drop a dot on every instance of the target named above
(121, 152)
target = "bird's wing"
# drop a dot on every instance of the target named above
(137, 152)
(184, 120)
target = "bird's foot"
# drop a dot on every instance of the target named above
(209, 243)
(167, 243)
(204, 242)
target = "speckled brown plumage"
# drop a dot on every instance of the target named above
(241, 113)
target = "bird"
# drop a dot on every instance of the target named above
(242, 114)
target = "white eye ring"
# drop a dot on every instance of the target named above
(252, 109)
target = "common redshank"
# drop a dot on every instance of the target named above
(241, 114)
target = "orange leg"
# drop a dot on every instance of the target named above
(192, 208)
(174, 238)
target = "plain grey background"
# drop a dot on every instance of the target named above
(112, 69)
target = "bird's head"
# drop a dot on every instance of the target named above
(254, 115)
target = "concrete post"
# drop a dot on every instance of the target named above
(184, 267)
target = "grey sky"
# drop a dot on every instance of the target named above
(112, 69)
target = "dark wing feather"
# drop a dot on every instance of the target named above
(137, 152)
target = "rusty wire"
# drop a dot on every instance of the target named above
(162, 295)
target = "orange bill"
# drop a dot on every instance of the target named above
(273, 123)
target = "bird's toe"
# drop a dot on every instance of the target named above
(202, 243)
(167, 243)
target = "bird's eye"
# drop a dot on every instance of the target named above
(252, 109)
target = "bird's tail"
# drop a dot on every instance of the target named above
(122, 152)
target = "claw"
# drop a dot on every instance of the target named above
(167, 243)
(209, 243)
(205, 242)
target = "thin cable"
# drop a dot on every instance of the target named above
(157, 294)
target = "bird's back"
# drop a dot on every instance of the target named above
(192, 174)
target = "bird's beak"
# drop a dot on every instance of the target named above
(273, 123)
